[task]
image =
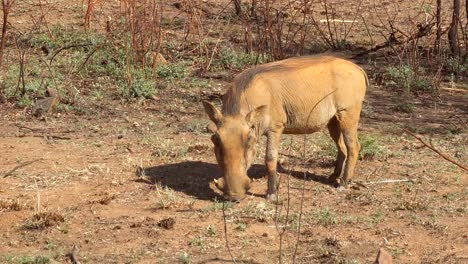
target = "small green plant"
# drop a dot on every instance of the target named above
(172, 71)
(211, 231)
(324, 216)
(377, 217)
(199, 242)
(259, 211)
(233, 60)
(27, 259)
(370, 148)
(457, 66)
(184, 258)
(217, 206)
(241, 226)
(167, 199)
(409, 79)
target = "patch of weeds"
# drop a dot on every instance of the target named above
(59, 37)
(324, 216)
(457, 66)
(352, 219)
(172, 71)
(259, 211)
(199, 242)
(10, 205)
(430, 222)
(241, 226)
(137, 85)
(211, 231)
(377, 217)
(24, 101)
(195, 83)
(217, 206)
(341, 260)
(362, 198)
(233, 60)
(184, 258)
(409, 79)
(404, 105)
(197, 126)
(397, 251)
(43, 220)
(370, 147)
(167, 199)
(27, 259)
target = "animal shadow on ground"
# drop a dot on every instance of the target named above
(258, 171)
(190, 177)
(193, 177)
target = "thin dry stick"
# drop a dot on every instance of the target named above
(6, 7)
(22, 165)
(385, 181)
(226, 234)
(464, 167)
(305, 176)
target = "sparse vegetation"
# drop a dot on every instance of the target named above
(325, 217)
(130, 76)
(43, 220)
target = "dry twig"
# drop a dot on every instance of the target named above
(385, 181)
(22, 165)
(464, 167)
(226, 234)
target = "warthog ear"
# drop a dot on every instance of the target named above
(256, 115)
(213, 113)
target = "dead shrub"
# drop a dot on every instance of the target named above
(43, 220)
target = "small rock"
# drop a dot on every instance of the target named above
(383, 257)
(157, 59)
(135, 225)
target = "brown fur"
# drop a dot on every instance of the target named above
(294, 96)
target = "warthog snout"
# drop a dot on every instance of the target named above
(236, 192)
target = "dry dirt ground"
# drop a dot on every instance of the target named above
(131, 182)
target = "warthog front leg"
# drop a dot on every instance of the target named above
(271, 158)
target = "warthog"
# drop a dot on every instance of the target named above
(294, 96)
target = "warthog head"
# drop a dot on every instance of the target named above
(234, 140)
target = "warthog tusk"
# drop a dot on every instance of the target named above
(215, 180)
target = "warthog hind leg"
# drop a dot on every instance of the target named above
(348, 122)
(337, 136)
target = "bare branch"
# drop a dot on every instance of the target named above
(464, 167)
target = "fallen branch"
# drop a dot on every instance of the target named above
(48, 137)
(392, 40)
(464, 167)
(67, 47)
(455, 89)
(22, 165)
(386, 181)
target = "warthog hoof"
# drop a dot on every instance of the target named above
(341, 188)
(271, 197)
